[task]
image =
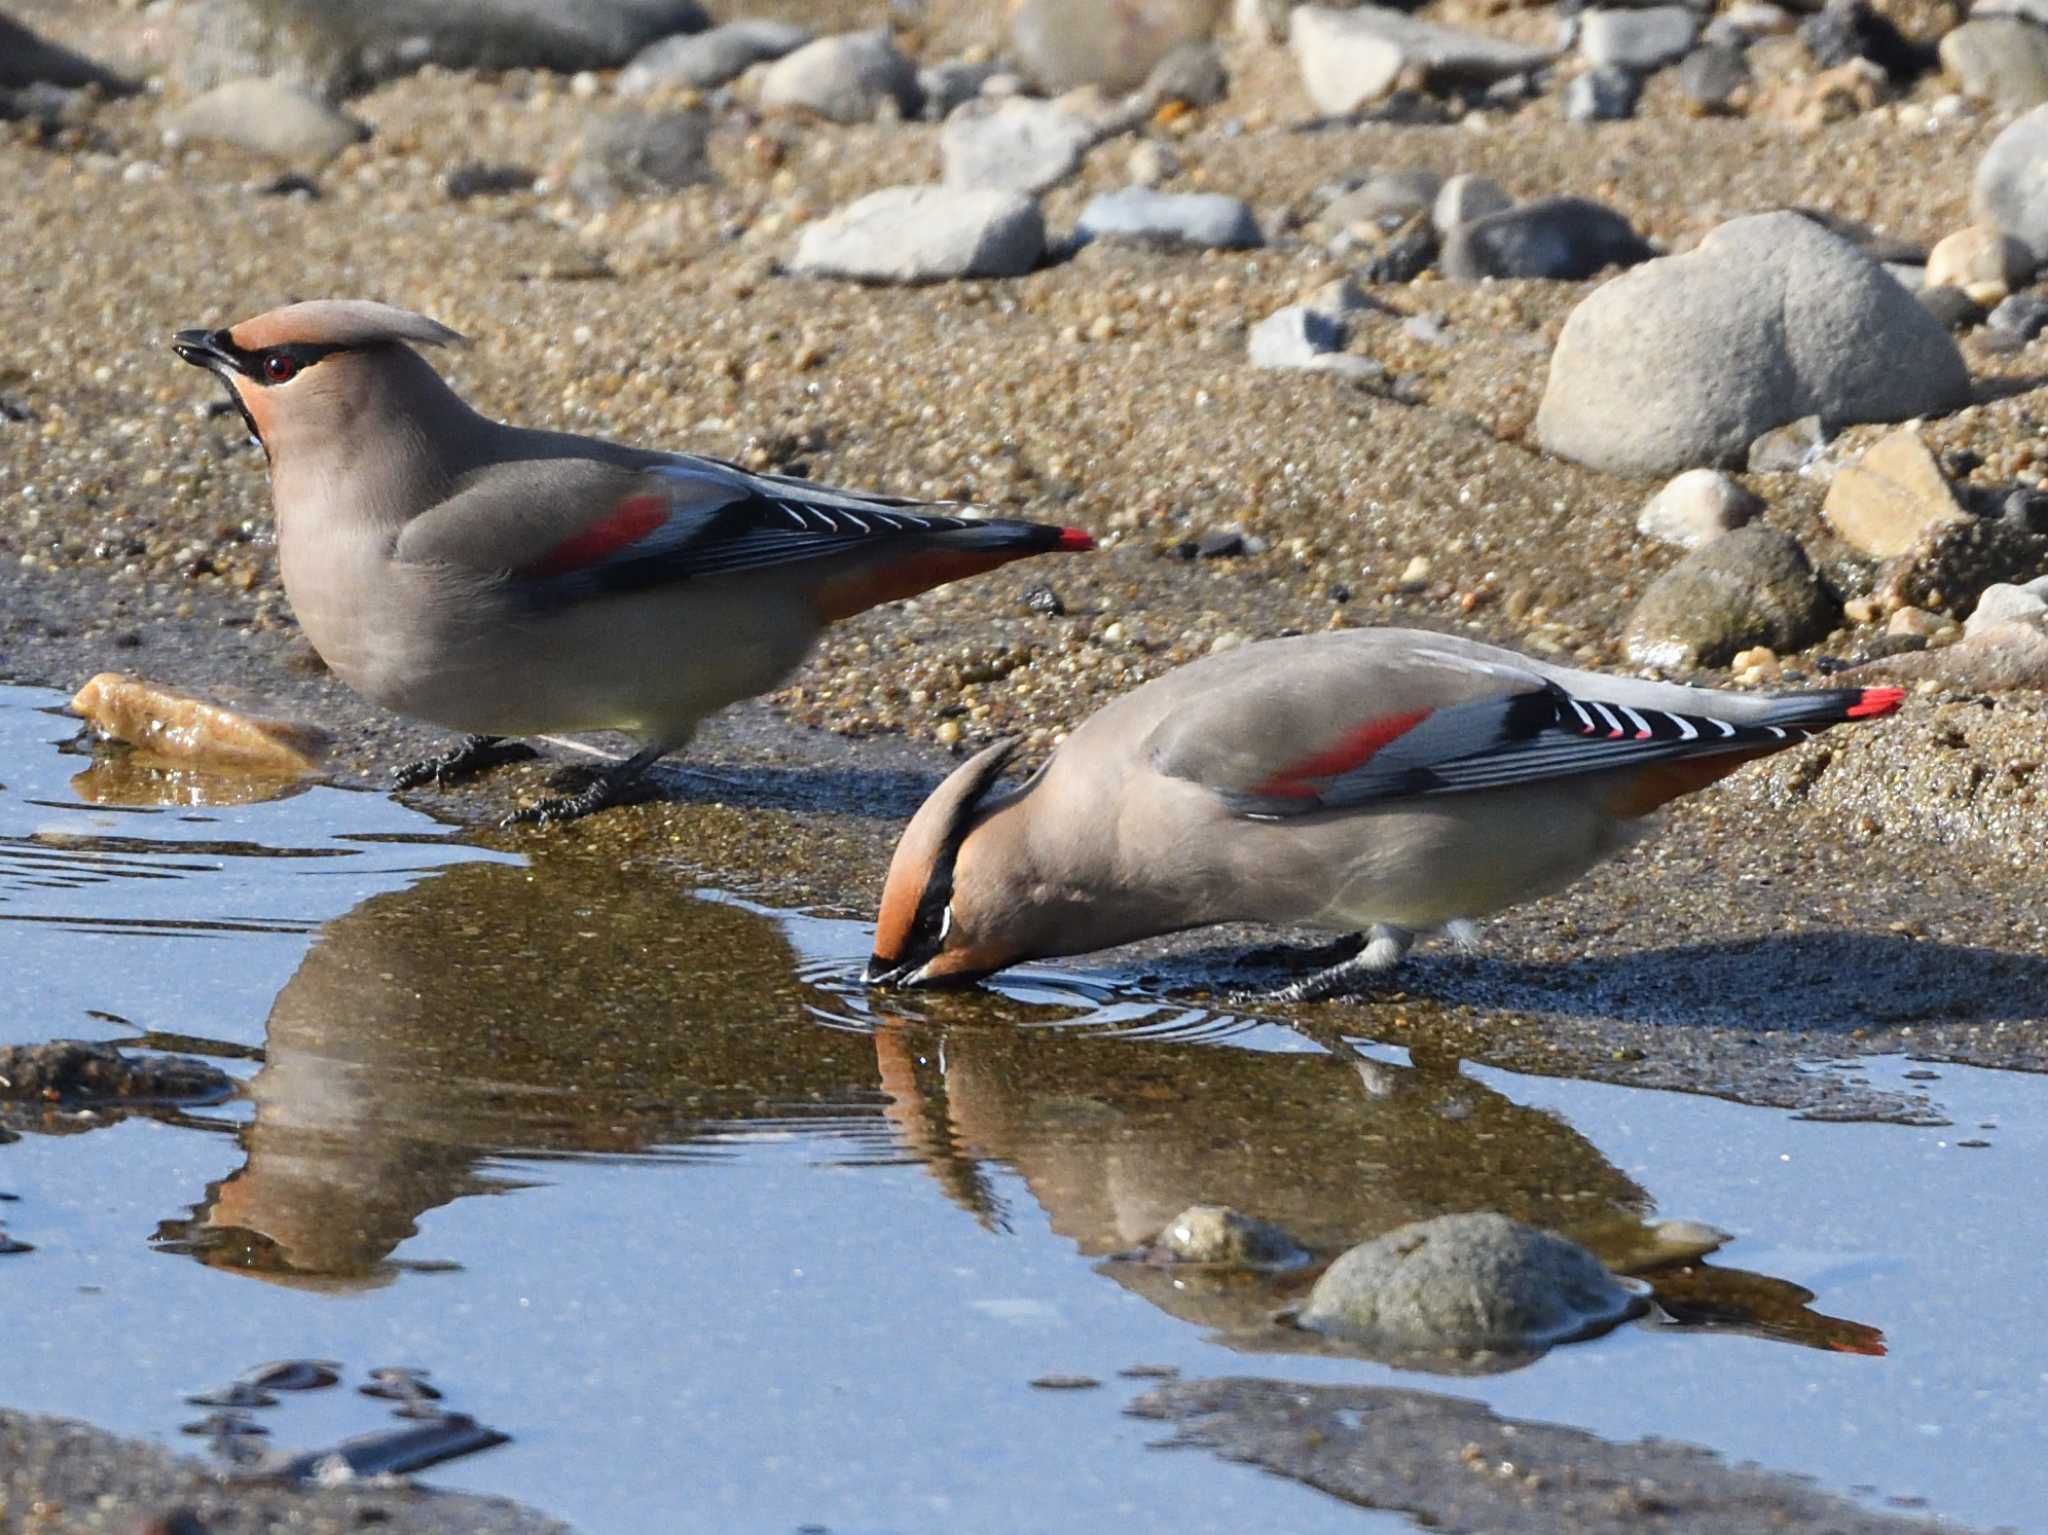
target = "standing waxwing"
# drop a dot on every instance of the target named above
(504, 582)
(1386, 779)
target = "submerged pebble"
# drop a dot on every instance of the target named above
(185, 727)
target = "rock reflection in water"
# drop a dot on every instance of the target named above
(1115, 1138)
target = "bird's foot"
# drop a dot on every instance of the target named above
(1384, 948)
(613, 786)
(466, 758)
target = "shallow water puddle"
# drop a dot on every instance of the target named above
(761, 1257)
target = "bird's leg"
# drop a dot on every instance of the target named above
(610, 787)
(1384, 946)
(472, 754)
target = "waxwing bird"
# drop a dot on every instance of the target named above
(503, 581)
(1386, 779)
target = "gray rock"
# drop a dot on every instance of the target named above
(706, 60)
(641, 154)
(1466, 198)
(1686, 360)
(1563, 238)
(1206, 220)
(1789, 448)
(1462, 1283)
(1950, 307)
(1602, 96)
(1217, 1234)
(1061, 44)
(1997, 658)
(847, 78)
(925, 234)
(1191, 72)
(1019, 145)
(2010, 192)
(2005, 603)
(26, 59)
(1385, 201)
(1999, 60)
(1711, 76)
(1349, 57)
(1696, 507)
(1637, 39)
(270, 117)
(2024, 315)
(1341, 298)
(949, 86)
(1753, 586)
(75, 1071)
(1294, 337)
(335, 47)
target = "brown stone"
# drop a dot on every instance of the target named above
(1891, 497)
(185, 728)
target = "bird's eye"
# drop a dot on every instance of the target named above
(279, 369)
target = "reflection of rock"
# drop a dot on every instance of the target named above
(1463, 1284)
(494, 1009)
(1116, 1138)
(1453, 1463)
(69, 1085)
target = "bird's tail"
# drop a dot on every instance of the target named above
(945, 554)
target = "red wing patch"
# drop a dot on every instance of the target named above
(1876, 703)
(1354, 750)
(627, 523)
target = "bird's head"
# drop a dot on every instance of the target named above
(945, 918)
(311, 372)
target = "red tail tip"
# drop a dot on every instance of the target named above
(1076, 539)
(1874, 703)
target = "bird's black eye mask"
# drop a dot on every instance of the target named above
(216, 352)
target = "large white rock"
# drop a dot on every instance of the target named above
(1685, 360)
(2011, 189)
(925, 234)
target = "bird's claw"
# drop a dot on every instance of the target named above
(470, 755)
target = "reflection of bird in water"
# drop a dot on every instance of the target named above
(1115, 1137)
(501, 1010)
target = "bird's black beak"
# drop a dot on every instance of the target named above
(207, 349)
(884, 972)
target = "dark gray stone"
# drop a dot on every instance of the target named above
(1950, 306)
(1193, 72)
(1563, 238)
(1710, 77)
(2024, 315)
(26, 59)
(1855, 29)
(1206, 220)
(1686, 360)
(1752, 586)
(706, 60)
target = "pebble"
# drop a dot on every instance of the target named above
(641, 154)
(1999, 60)
(1349, 58)
(1465, 198)
(1061, 44)
(1020, 145)
(2009, 192)
(1916, 623)
(1462, 1283)
(848, 78)
(1150, 163)
(1602, 95)
(270, 117)
(1714, 79)
(1848, 31)
(1294, 337)
(1191, 73)
(1685, 361)
(1204, 220)
(1637, 39)
(1219, 1235)
(706, 60)
(1951, 308)
(1696, 506)
(950, 85)
(923, 234)
(1565, 239)
(2023, 315)
(1886, 502)
(2006, 603)
(1758, 664)
(1385, 200)
(1751, 587)
(1985, 264)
